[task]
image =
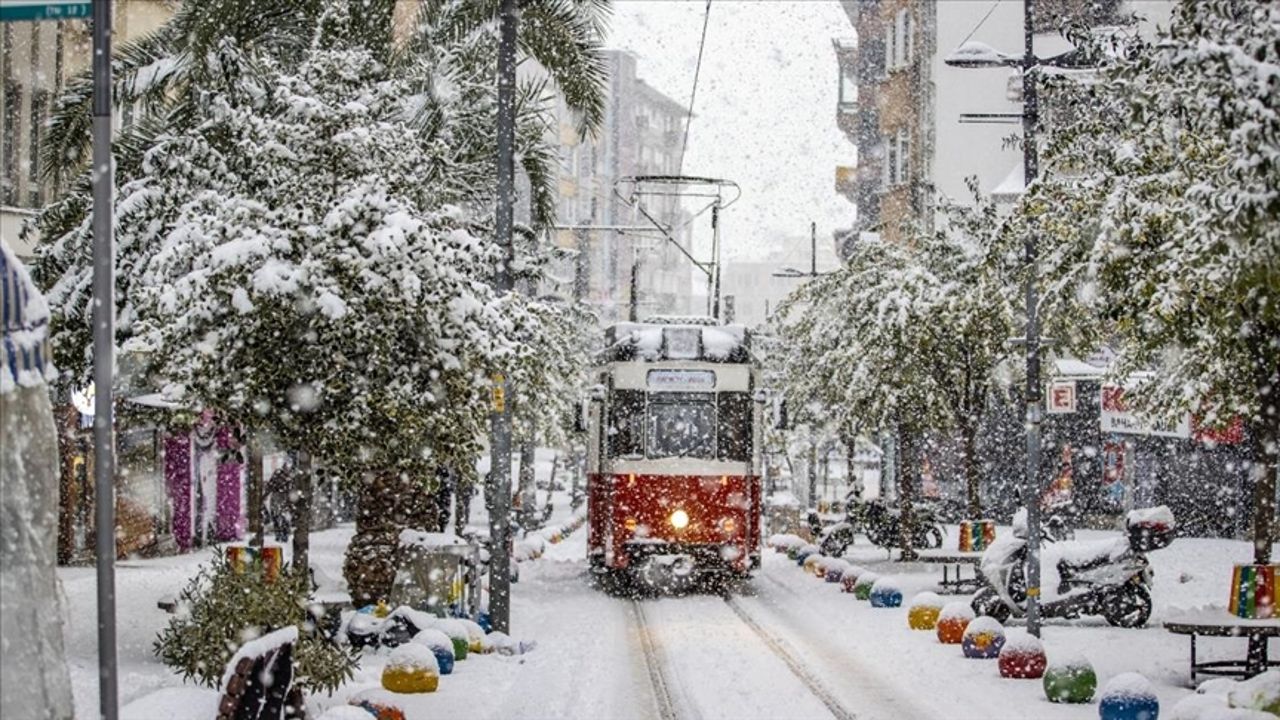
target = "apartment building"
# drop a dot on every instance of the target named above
(911, 116)
(39, 58)
(642, 135)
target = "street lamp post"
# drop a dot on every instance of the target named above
(1034, 405)
(500, 419)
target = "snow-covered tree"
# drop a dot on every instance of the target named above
(1161, 214)
(862, 340)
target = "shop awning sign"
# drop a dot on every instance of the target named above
(1116, 418)
(1061, 397)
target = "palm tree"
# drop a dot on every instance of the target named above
(162, 74)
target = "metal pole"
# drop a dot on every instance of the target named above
(500, 419)
(1035, 409)
(104, 307)
(715, 260)
(633, 312)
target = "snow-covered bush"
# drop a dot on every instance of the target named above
(221, 608)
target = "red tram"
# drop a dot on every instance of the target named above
(672, 467)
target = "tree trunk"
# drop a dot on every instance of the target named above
(527, 490)
(67, 420)
(851, 478)
(388, 502)
(908, 471)
(303, 494)
(972, 473)
(257, 533)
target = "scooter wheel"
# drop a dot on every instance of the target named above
(988, 602)
(1130, 607)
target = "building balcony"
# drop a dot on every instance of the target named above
(847, 182)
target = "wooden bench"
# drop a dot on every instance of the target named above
(1217, 622)
(954, 561)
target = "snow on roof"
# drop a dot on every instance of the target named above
(1073, 368)
(677, 341)
(973, 51)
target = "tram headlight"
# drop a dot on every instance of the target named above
(679, 519)
(728, 525)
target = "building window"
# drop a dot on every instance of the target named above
(904, 156)
(891, 164)
(890, 49)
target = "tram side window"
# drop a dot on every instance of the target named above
(735, 426)
(626, 423)
(682, 425)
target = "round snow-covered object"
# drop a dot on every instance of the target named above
(458, 634)
(475, 635)
(378, 703)
(804, 552)
(1022, 657)
(922, 614)
(1128, 696)
(836, 569)
(1260, 692)
(412, 668)
(441, 646)
(1070, 680)
(862, 588)
(885, 593)
(952, 621)
(811, 562)
(983, 638)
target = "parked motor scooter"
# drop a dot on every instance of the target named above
(880, 523)
(1108, 579)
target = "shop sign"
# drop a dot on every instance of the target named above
(1116, 418)
(1061, 398)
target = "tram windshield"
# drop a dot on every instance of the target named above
(681, 425)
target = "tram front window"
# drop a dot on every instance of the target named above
(682, 425)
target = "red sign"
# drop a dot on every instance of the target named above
(1232, 434)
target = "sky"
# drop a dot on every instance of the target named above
(764, 114)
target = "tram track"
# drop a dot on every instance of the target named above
(653, 663)
(668, 694)
(797, 668)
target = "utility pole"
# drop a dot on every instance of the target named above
(500, 417)
(1027, 62)
(1035, 404)
(104, 309)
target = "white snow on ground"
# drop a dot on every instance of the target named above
(589, 660)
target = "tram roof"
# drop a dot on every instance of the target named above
(653, 341)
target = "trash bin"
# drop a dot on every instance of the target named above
(430, 572)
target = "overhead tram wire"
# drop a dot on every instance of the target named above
(697, 70)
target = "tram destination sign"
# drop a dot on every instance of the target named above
(29, 10)
(681, 380)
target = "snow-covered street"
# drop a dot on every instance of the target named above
(783, 645)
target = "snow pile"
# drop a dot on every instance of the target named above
(412, 656)
(504, 644)
(429, 540)
(530, 547)
(785, 541)
(887, 584)
(957, 610)
(1128, 686)
(981, 625)
(1257, 698)
(340, 712)
(927, 599)
(1159, 516)
(1022, 642)
(179, 702)
(433, 639)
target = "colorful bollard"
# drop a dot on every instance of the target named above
(440, 645)
(923, 611)
(1022, 657)
(983, 638)
(862, 588)
(1128, 696)
(412, 668)
(835, 570)
(952, 621)
(885, 593)
(850, 579)
(976, 535)
(1070, 680)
